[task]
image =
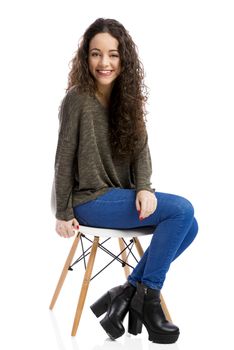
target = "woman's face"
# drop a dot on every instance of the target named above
(104, 60)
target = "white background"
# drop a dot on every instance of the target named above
(187, 51)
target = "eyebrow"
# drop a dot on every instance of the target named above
(100, 50)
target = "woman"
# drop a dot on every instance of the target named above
(103, 170)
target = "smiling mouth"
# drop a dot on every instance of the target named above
(104, 72)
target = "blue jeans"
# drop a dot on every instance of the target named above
(174, 222)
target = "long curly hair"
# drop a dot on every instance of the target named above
(127, 113)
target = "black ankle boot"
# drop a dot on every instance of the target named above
(116, 304)
(145, 308)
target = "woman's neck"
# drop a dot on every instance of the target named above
(103, 95)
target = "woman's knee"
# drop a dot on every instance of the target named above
(184, 207)
(192, 232)
(195, 227)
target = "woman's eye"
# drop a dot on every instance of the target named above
(95, 54)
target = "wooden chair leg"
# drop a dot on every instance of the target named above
(165, 309)
(141, 252)
(85, 286)
(65, 270)
(138, 246)
(124, 257)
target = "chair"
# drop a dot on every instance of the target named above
(106, 234)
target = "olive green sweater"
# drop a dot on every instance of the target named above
(84, 168)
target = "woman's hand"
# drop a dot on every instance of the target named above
(66, 228)
(146, 203)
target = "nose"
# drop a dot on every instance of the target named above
(104, 60)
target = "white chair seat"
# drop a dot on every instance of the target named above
(110, 232)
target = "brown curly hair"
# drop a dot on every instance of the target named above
(127, 114)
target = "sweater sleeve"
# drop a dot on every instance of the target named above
(142, 169)
(64, 174)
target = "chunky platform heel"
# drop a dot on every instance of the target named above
(116, 305)
(145, 308)
(134, 323)
(162, 338)
(135, 327)
(101, 305)
(113, 330)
